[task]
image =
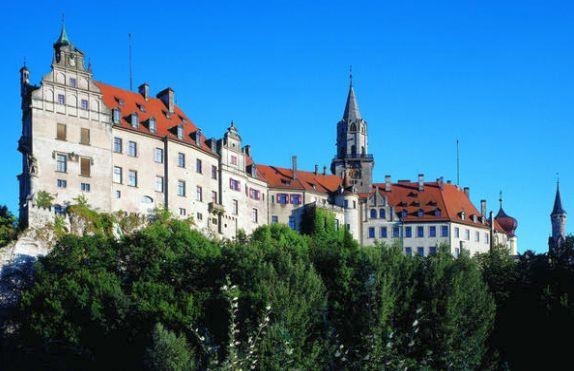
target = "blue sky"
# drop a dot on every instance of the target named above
(497, 75)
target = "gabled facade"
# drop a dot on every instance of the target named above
(132, 152)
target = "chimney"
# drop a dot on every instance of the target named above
(483, 207)
(198, 137)
(449, 181)
(421, 182)
(167, 96)
(316, 169)
(387, 183)
(294, 166)
(144, 90)
(247, 150)
(212, 143)
(467, 192)
(440, 182)
(324, 170)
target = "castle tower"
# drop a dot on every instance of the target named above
(558, 219)
(509, 225)
(352, 157)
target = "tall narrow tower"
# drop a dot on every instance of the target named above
(353, 159)
(558, 218)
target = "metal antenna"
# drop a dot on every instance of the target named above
(131, 70)
(457, 163)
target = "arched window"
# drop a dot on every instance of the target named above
(382, 214)
(353, 127)
(147, 200)
(373, 213)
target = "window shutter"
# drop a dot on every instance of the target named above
(61, 132)
(85, 136)
(85, 165)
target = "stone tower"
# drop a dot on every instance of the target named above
(352, 158)
(558, 218)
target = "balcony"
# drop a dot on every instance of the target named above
(357, 156)
(216, 208)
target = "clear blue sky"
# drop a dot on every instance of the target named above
(495, 74)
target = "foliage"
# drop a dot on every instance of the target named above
(168, 352)
(44, 199)
(8, 226)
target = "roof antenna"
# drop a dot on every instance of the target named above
(131, 70)
(457, 163)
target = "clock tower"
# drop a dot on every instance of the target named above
(353, 159)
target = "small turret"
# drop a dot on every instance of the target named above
(558, 218)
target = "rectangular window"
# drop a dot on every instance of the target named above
(235, 207)
(234, 184)
(181, 188)
(84, 104)
(73, 82)
(420, 251)
(85, 136)
(420, 232)
(133, 178)
(274, 219)
(181, 159)
(198, 168)
(254, 216)
(85, 166)
(135, 120)
(432, 250)
(116, 116)
(467, 234)
(182, 212)
(159, 184)
(61, 99)
(152, 126)
(213, 172)
(396, 232)
(132, 149)
(254, 194)
(158, 155)
(432, 231)
(457, 232)
(118, 194)
(118, 145)
(118, 175)
(61, 163)
(282, 198)
(85, 187)
(61, 183)
(61, 132)
(295, 199)
(408, 232)
(383, 232)
(199, 216)
(199, 193)
(444, 231)
(233, 160)
(292, 222)
(371, 232)
(477, 236)
(214, 197)
(180, 132)
(408, 251)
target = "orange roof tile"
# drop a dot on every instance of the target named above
(277, 177)
(153, 107)
(450, 200)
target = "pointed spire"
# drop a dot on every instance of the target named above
(352, 107)
(558, 209)
(63, 39)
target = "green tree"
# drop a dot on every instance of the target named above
(8, 223)
(168, 351)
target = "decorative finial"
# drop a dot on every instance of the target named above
(351, 75)
(500, 199)
(558, 180)
(24, 65)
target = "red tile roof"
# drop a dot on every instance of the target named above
(153, 107)
(446, 204)
(277, 177)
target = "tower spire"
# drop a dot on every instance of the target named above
(558, 209)
(352, 112)
(63, 39)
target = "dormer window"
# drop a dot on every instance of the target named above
(180, 131)
(116, 116)
(141, 107)
(474, 219)
(135, 120)
(404, 214)
(437, 212)
(120, 101)
(152, 126)
(420, 213)
(462, 215)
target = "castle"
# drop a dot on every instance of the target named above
(133, 152)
